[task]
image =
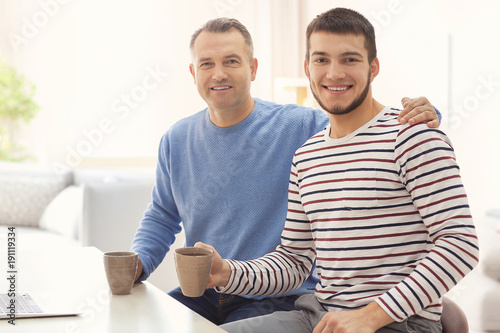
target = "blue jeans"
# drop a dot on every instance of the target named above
(223, 308)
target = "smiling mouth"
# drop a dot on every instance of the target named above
(221, 88)
(337, 88)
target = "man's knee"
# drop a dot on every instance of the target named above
(262, 307)
(249, 325)
(277, 322)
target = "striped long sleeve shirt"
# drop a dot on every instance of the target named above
(384, 214)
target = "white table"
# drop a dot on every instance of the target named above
(80, 275)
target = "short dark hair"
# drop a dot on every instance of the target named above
(221, 25)
(344, 21)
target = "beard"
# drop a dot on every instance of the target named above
(338, 110)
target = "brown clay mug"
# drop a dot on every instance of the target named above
(120, 271)
(193, 265)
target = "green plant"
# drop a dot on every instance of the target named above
(17, 106)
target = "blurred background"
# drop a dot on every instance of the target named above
(90, 86)
(112, 76)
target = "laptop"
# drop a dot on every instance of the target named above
(35, 305)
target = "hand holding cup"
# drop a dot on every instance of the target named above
(193, 266)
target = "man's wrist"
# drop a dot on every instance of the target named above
(376, 316)
(226, 273)
(138, 272)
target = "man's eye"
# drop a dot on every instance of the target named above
(350, 60)
(232, 62)
(320, 60)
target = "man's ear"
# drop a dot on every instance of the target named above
(253, 67)
(306, 68)
(191, 69)
(374, 68)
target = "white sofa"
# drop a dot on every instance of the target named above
(80, 207)
(478, 294)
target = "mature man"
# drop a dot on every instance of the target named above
(379, 206)
(224, 171)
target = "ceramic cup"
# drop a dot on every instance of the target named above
(120, 271)
(193, 265)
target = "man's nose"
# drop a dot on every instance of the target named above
(335, 72)
(219, 73)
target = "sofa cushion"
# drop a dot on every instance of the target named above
(25, 194)
(63, 214)
(490, 320)
(491, 263)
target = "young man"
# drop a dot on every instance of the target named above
(378, 206)
(224, 171)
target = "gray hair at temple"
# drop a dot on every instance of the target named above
(221, 25)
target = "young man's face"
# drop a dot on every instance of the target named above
(339, 72)
(222, 70)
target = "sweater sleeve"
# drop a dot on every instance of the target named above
(428, 169)
(161, 221)
(285, 268)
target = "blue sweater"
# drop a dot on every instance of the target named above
(228, 186)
